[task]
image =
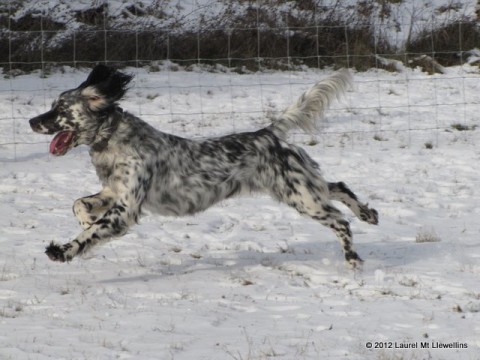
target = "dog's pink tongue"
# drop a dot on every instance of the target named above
(61, 142)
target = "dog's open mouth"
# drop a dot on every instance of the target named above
(61, 143)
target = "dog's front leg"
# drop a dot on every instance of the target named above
(115, 222)
(91, 208)
(125, 203)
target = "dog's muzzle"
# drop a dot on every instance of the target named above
(45, 123)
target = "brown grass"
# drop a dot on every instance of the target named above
(256, 39)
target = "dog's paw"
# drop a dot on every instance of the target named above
(353, 261)
(85, 224)
(56, 252)
(369, 215)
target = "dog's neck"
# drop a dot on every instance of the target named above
(106, 129)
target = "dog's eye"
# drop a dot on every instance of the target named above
(94, 98)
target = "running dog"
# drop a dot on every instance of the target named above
(143, 168)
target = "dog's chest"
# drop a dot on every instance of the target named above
(104, 163)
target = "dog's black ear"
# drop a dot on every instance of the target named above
(104, 86)
(98, 74)
(115, 86)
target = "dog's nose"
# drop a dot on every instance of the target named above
(37, 125)
(34, 122)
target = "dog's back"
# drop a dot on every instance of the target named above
(195, 175)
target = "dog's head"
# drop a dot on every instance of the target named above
(76, 116)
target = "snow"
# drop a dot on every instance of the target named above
(251, 279)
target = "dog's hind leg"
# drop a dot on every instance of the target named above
(312, 200)
(340, 192)
(91, 208)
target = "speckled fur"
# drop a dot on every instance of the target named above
(143, 168)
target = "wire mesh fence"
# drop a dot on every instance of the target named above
(202, 50)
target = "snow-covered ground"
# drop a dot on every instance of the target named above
(251, 279)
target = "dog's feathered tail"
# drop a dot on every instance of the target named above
(311, 105)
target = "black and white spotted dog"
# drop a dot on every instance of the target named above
(143, 168)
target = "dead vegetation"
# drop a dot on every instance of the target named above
(248, 36)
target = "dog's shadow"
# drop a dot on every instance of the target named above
(320, 258)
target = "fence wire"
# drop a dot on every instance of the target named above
(448, 102)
